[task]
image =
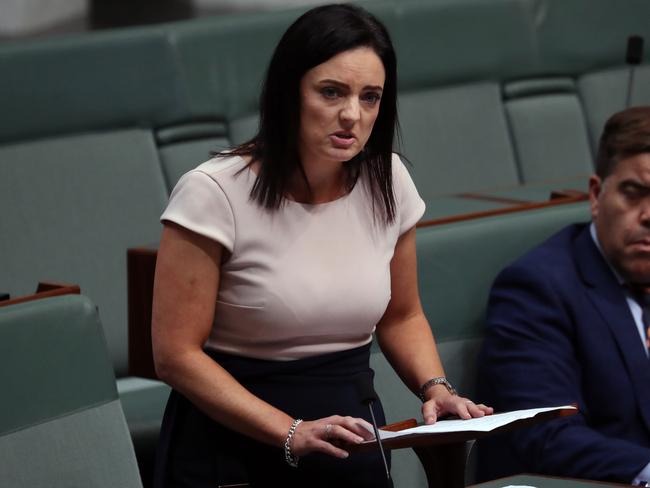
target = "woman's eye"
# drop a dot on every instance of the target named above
(371, 98)
(329, 92)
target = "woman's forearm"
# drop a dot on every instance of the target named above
(409, 346)
(218, 394)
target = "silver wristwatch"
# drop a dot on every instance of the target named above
(439, 380)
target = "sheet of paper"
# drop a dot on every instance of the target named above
(519, 486)
(481, 424)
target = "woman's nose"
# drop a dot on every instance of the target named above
(351, 111)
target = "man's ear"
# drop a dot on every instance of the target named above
(595, 188)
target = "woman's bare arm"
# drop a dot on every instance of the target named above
(406, 339)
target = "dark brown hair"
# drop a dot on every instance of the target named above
(318, 35)
(626, 134)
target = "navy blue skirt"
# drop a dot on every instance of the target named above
(195, 451)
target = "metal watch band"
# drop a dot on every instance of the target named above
(439, 380)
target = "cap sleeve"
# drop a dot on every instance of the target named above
(410, 206)
(199, 204)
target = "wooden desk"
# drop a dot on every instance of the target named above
(539, 481)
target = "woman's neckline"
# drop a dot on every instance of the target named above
(292, 201)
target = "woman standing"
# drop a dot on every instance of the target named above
(278, 261)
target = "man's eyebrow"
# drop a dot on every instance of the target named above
(345, 85)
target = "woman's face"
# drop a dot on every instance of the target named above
(339, 103)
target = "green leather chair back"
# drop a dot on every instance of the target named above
(61, 423)
(74, 205)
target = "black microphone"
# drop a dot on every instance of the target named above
(633, 58)
(368, 396)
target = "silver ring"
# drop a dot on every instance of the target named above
(328, 433)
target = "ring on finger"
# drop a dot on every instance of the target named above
(328, 432)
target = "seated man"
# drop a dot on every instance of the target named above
(566, 326)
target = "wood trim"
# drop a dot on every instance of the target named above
(44, 290)
(494, 198)
(567, 193)
(397, 426)
(502, 211)
(141, 267)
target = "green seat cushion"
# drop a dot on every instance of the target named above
(457, 139)
(578, 36)
(452, 41)
(89, 82)
(549, 134)
(143, 402)
(54, 361)
(224, 59)
(242, 129)
(457, 263)
(605, 92)
(550, 137)
(89, 448)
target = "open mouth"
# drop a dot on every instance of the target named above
(342, 139)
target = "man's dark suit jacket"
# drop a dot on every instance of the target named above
(560, 332)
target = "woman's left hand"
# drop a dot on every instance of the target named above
(444, 403)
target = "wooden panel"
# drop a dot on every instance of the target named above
(141, 266)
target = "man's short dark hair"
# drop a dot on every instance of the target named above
(626, 134)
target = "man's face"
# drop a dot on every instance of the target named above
(620, 209)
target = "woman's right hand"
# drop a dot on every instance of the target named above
(326, 434)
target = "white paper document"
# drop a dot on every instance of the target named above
(519, 486)
(480, 424)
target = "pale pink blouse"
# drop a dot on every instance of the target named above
(300, 281)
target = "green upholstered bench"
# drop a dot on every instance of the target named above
(61, 421)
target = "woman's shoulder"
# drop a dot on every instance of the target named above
(400, 173)
(222, 165)
(397, 163)
(225, 174)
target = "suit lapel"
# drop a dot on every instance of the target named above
(608, 298)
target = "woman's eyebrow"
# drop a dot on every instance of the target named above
(345, 85)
